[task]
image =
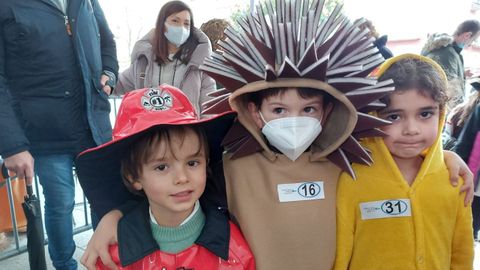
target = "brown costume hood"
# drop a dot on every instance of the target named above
(287, 45)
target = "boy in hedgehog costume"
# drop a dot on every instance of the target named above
(301, 93)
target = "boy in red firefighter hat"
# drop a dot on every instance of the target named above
(160, 151)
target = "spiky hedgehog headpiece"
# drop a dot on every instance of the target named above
(287, 44)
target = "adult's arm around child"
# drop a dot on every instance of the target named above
(458, 168)
(98, 246)
(462, 243)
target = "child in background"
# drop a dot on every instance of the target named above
(468, 147)
(160, 149)
(402, 212)
(214, 29)
(458, 116)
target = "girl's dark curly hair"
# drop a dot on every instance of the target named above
(411, 73)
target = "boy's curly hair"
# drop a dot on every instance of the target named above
(214, 29)
(367, 24)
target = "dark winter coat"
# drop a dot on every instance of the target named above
(442, 49)
(51, 100)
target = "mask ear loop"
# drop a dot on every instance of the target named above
(261, 117)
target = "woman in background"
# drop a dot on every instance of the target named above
(170, 53)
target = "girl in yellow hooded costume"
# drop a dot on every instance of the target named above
(402, 212)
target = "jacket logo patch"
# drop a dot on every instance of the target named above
(157, 100)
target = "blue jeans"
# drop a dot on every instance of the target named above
(56, 177)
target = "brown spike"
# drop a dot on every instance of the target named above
(328, 46)
(371, 107)
(264, 29)
(366, 122)
(247, 73)
(352, 146)
(317, 71)
(240, 141)
(270, 73)
(253, 51)
(346, 85)
(356, 159)
(244, 25)
(350, 48)
(339, 158)
(252, 23)
(250, 146)
(343, 71)
(369, 133)
(362, 98)
(236, 145)
(236, 132)
(365, 71)
(234, 52)
(308, 58)
(215, 100)
(265, 52)
(324, 47)
(220, 106)
(288, 70)
(227, 82)
(219, 92)
(318, 7)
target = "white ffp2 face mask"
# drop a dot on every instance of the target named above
(177, 35)
(292, 135)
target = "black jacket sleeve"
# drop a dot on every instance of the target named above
(467, 136)
(109, 49)
(12, 137)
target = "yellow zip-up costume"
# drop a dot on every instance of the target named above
(383, 223)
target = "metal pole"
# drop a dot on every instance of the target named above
(11, 202)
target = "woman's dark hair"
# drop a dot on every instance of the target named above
(411, 73)
(160, 42)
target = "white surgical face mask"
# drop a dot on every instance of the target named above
(292, 135)
(177, 35)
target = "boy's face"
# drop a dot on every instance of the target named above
(174, 179)
(468, 38)
(287, 104)
(414, 127)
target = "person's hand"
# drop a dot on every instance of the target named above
(104, 235)
(458, 168)
(468, 73)
(21, 164)
(106, 88)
